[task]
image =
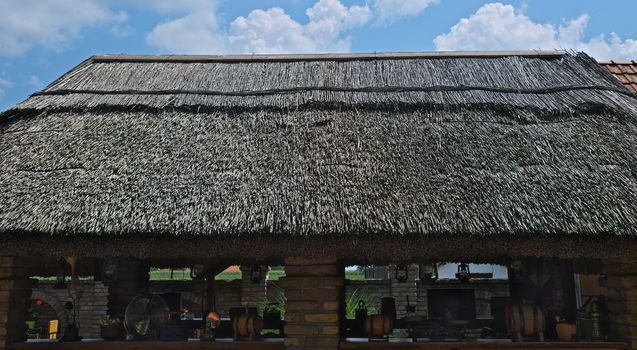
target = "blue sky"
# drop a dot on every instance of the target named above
(42, 39)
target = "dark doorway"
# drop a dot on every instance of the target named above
(455, 304)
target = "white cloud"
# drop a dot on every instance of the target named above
(263, 31)
(274, 31)
(615, 48)
(51, 24)
(269, 31)
(195, 33)
(496, 26)
(388, 11)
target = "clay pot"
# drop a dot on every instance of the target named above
(565, 331)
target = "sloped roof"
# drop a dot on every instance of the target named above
(346, 150)
(625, 71)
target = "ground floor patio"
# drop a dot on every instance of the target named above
(314, 315)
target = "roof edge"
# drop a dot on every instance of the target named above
(325, 57)
(617, 62)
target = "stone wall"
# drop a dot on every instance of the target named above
(484, 290)
(93, 305)
(622, 299)
(405, 293)
(252, 293)
(228, 294)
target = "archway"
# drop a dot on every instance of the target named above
(57, 306)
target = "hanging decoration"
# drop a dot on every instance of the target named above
(428, 272)
(110, 270)
(464, 274)
(197, 271)
(402, 273)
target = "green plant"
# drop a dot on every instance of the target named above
(354, 275)
(274, 275)
(275, 299)
(34, 313)
(106, 320)
(358, 294)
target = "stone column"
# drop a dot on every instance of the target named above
(132, 279)
(15, 296)
(253, 293)
(315, 303)
(622, 299)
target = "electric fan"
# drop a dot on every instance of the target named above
(144, 315)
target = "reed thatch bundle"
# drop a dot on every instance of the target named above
(324, 157)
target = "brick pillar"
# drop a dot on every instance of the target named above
(253, 293)
(132, 279)
(315, 303)
(622, 299)
(15, 296)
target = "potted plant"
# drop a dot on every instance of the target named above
(34, 315)
(111, 328)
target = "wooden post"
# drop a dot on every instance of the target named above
(622, 299)
(15, 296)
(208, 301)
(314, 306)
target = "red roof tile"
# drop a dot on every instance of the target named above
(626, 72)
(627, 69)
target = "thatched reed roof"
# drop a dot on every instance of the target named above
(331, 154)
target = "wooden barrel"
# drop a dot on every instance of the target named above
(378, 326)
(247, 325)
(525, 320)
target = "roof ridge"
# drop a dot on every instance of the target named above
(613, 62)
(325, 57)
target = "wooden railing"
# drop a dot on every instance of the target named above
(349, 345)
(148, 345)
(345, 345)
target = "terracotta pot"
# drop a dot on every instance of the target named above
(565, 331)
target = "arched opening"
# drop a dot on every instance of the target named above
(45, 307)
